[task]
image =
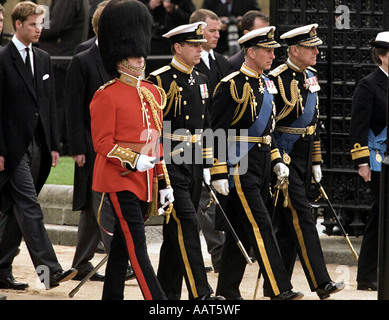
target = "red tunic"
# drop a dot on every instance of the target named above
(117, 117)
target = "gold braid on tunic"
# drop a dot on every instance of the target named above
(156, 110)
(295, 99)
(247, 96)
(174, 94)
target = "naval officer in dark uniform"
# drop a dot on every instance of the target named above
(368, 140)
(244, 111)
(298, 141)
(185, 119)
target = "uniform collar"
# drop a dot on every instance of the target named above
(179, 65)
(129, 79)
(249, 72)
(293, 66)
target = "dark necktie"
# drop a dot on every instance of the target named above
(28, 64)
(213, 68)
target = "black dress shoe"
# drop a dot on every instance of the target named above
(329, 288)
(96, 277)
(289, 295)
(9, 282)
(61, 275)
(209, 297)
(362, 285)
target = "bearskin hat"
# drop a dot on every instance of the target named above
(124, 31)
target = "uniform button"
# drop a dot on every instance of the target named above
(187, 117)
(202, 117)
(37, 114)
(203, 101)
(185, 103)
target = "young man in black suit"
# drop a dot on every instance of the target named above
(84, 77)
(214, 65)
(28, 147)
(368, 140)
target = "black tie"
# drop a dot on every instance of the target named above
(28, 64)
(213, 68)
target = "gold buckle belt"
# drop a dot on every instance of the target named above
(177, 137)
(303, 131)
(263, 140)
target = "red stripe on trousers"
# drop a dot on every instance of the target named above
(131, 249)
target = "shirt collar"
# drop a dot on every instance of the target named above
(19, 45)
(205, 56)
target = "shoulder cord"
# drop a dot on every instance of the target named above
(156, 108)
(296, 99)
(247, 95)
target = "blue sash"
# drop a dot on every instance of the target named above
(285, 141)
(236, 149)
(376, 144)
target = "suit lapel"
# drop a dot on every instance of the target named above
(21, 68)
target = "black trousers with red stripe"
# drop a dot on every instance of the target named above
(129, 242)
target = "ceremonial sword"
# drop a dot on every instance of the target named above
(229, 226)
(324, 195)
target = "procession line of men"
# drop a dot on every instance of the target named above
(270, 121)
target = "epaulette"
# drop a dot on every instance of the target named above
(160, 70)
(312, 69)
(107, 84)
(230, 76)
(277, 71)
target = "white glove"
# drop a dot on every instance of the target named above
(144, 163)
(166, 194)
(221, 186)
(281, 170)
(207, 176)
(316, 172)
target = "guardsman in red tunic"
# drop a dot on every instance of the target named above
(126, 123)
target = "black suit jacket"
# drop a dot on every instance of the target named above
(85, 45)
(222, 70)
(23, 106)
(236, 61)
(85, 75)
